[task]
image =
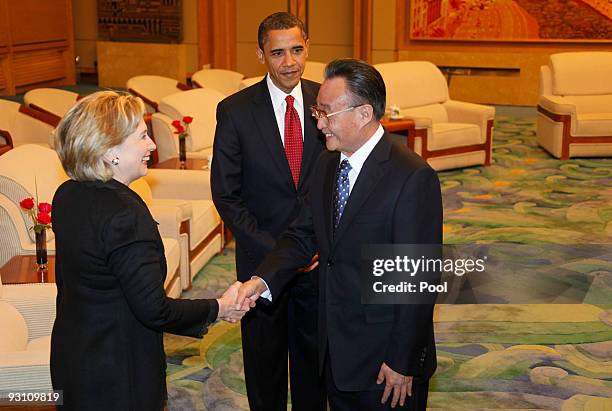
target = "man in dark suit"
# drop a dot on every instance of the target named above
(367, 190)
(265, 146)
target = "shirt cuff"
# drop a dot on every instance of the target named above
(266, 294)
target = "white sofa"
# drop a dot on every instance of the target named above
(447, 133)
(575, 105)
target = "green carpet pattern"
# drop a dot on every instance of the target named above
(491, 357)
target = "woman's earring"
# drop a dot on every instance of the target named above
(115, 161)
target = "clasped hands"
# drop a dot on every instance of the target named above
(229, 309)
(240, 297)
(252, 289)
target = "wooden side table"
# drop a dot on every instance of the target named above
(402, 125)
(175, 164)
(22, 269)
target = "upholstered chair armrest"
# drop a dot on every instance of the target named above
(6, 140)
(36, 303)
(419, 122)
(169, 218)
(165, 139)
(183, 184)
(462, 112)
(557, 105)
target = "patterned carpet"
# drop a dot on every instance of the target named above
(491, 357)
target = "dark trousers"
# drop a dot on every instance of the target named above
(370, 400)
(268, 332)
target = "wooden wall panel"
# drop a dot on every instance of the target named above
(36, 21)
(3, 77)
(38, 66)
(362, 34)
(4, 39)
(36, 44)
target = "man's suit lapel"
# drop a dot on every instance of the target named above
(371, 173)
(268, 129)
(328, 195)
(311, 133)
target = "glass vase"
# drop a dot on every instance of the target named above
(41, 249)
(182, 152)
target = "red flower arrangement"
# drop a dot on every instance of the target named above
(182, 129)
(182, 126)
(40, 214)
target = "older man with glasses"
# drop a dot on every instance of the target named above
(367, 189)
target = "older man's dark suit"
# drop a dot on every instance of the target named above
(254, 192)
(396, 200)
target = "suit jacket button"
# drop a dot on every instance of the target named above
(330, 262)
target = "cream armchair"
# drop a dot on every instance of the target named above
(189, 191)
(575, 106)
(249, 81)
(151, 89)
(224, 81)
(44, 174)
(23, 125)
(314, 71)
(447, 133)
(201, 104)
(53, 101)
(27, 313)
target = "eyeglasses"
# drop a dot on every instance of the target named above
(322, 115)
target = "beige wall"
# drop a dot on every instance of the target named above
(330, 26)
(248, 16)
(86, 33)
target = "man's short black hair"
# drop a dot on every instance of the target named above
(363, 81)
(279, 21)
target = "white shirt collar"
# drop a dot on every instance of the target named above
(361, 155)
(278, 96)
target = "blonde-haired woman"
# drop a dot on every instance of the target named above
(107, 348)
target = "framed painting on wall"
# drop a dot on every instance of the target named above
(511, 20)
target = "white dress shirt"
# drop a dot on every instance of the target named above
(280, 105)
(360, 156)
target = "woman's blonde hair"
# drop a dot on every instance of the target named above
(92, 126)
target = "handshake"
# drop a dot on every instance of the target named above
(239, 299)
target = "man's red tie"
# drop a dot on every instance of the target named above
(293, 140)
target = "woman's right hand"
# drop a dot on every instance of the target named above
(227, 305)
